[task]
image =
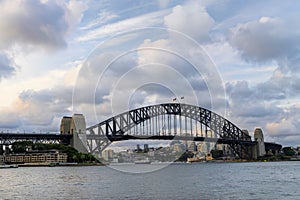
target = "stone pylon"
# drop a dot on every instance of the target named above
(259, 137)
(76, 126)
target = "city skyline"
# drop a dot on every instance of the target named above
(100, 58)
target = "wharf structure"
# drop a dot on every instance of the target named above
(34, 157)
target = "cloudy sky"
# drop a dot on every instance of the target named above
(101, 58)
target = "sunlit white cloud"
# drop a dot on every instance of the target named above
(190, 19)
(108, 30)
(102, 18)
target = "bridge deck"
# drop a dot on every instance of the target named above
(65, 139)
(162, 137)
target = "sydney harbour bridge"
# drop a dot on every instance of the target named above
(169, 121)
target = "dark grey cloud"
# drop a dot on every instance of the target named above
(58, 94)
(266, 39)
(38, 23)
(7, 66)
(280, 87)
(286, 129)
(9, 121)
(39, 109)
(250, 105)
(263, 105)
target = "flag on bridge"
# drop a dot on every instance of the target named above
(181, 97)
(174, 99)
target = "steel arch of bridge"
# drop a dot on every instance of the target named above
(118, 127)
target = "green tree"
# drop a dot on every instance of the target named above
(185, 156)
(20, 147)
(288, 151)
(216, 153)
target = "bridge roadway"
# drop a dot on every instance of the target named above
(9, 138)
(268, 145)
(171, 137)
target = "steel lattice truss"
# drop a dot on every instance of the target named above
(10, 138)
(168, 121)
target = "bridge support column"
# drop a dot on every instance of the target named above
(79, 142)
(254, 152)
(259, 137)
(1, 149)
(77, 127)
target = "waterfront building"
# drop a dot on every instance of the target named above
(108, 154)
(178, 147)
(220, 147)
(191, 146)
(204, 147)
(209, 133)
(138, 148)
(146, 147)
(151, 152)
(51, 156)
(199, 147)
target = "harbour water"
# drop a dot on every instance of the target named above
(274, 180)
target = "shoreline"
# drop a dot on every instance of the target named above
(101, 164)
(59, 164)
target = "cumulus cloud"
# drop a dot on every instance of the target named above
(121, 76)
(193, 64)
(7, 66)
(37, 23)
(266, 105)
(131, 66)
(280, 86)
(37, 110)
(191, 19)
(274, 91)
(138, 68)
(249, 102)
(266, 39)
(40, 109)
(56, 101)
(287, 127)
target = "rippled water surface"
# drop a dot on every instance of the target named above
(278, 180)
